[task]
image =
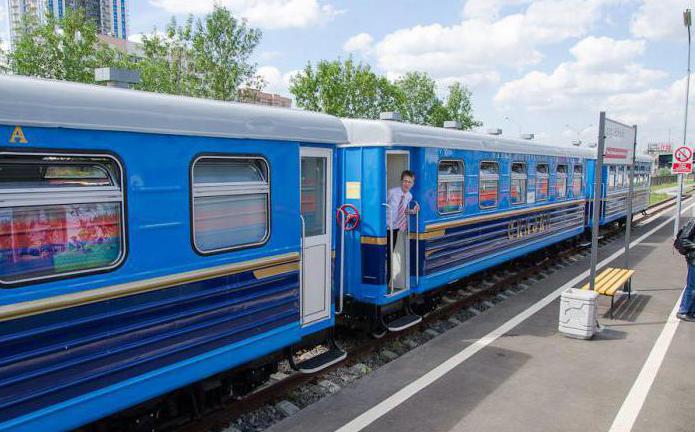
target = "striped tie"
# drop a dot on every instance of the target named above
(401, 219)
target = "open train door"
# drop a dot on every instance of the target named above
(396, 163)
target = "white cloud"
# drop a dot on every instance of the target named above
(657, 112)
(660, 19)
(585, 82)
(661, 107)
(487, 10)
(267, 14)
(360, 43)
(606, 52)
(471, 80)
(276, 81)
(480, 45)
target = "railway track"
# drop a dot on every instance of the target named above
(452, 305)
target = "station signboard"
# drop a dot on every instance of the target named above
(619, 143)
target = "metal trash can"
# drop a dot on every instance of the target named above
(578, 313)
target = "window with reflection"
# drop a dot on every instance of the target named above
(620, 180)
(59, 215)
(488, 184)
(231, 203)
(542, 181)
(313, 195)
(450, 178)
(561, 181)
(518, 183)
(611, 177)
(577, 180)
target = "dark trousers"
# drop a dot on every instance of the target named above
(388, 251)
(686, 306)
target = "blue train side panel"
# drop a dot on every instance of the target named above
(62, 368)
(457, 245)
(614, 193)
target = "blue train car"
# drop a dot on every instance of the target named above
(150, 241)
(615, 184)
(484, 200)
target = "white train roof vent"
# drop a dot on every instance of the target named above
(527, 136)
(494, 131)
(452, 124)
(390, 115)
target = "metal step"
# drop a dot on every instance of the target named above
(321, 361)
(403, 322)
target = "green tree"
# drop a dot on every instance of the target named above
(222, 47)
(206, 57)
(166, 66)
(458, 107)
(61, 48)
(421, 105)
(419, 95)
(344, 89)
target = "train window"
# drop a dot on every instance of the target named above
(611, 177)
(620, 180)
(542, 181)
(60, 215)
(642, 175)
(519, 179)
(450, 186)
(489, 181)
(577, 180)
(231, 203)
(561, 181)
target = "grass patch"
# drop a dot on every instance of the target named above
(656, 197)
(670, 185)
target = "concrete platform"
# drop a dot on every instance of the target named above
(508, 369)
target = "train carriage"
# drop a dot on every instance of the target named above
(484, 200)
(150, 241)
(615, 185)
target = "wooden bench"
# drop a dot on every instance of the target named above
(610, 281)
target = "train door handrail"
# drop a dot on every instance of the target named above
(342, 263)
(301, 267)
(390, 230)
(417, 244)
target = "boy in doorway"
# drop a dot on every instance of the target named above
(398, 200)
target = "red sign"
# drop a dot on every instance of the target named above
(682, 168)
(682, 160)
(683, 154)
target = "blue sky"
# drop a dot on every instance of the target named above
(546, 66)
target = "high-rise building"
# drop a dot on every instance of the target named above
(17, 9)
(114, 18)
(110, 16)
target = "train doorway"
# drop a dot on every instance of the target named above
(399, 265)
(316, 199)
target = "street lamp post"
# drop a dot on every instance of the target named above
(687, 21)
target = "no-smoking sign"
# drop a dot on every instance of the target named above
(682, 160)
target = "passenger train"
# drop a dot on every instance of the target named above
(150, 241)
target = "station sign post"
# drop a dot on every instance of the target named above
(617, 143)
(682, 164)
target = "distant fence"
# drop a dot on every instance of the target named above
(663, 179)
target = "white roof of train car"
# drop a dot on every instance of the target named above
(388, 133)
(47, 103)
